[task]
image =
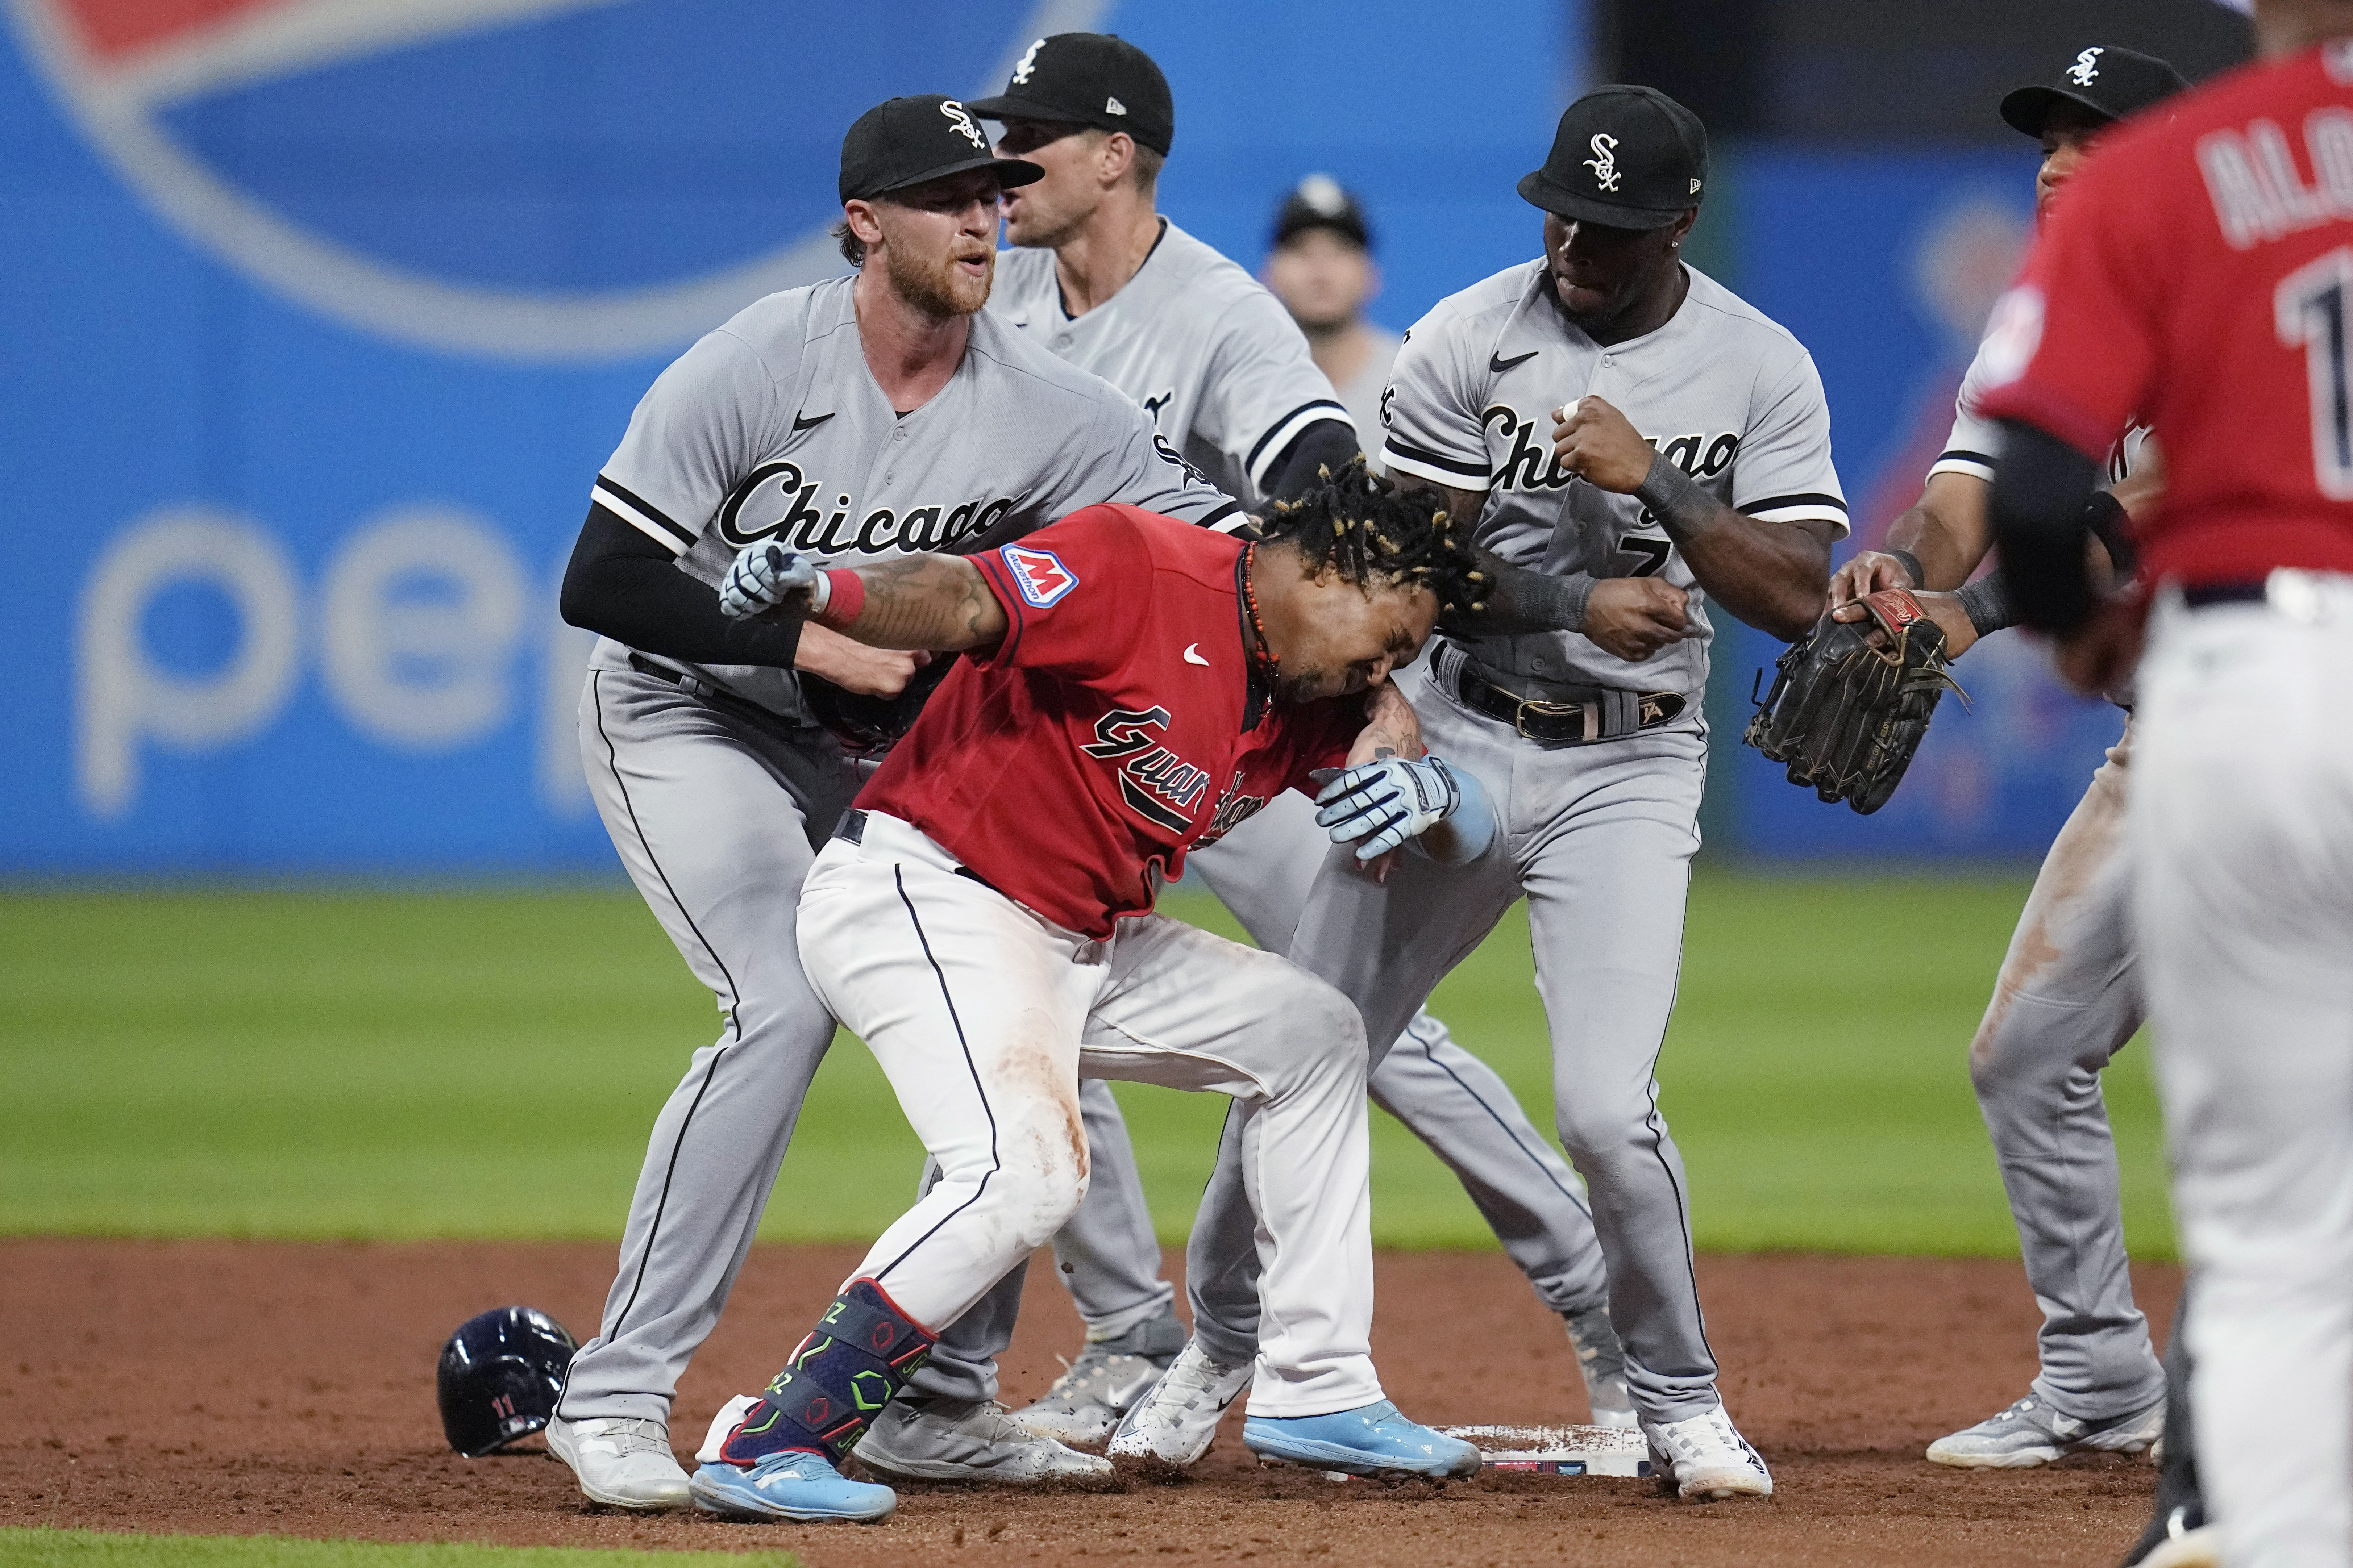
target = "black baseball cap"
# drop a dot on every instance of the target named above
(1627, 157)
(904, 142)
(1318, 201)
(1089, 79)
(2110, 82)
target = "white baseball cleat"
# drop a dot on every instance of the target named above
(1601, 1361)
(2029, 1433)
(621, 1463)
(1176, 1422)
(1084, 1407)
(1707, 1458)
(950, 1440)
(2199, 1548)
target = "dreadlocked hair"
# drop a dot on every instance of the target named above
(1375, 533)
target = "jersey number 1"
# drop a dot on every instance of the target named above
(2311, 309)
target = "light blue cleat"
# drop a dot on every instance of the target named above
(794, 1485)
(1371, 1441)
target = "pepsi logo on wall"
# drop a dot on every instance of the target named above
(537, 180)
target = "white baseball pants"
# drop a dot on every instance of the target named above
(985, 1018)
(2241, 824)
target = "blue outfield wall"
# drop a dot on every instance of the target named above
(1885, 264)
(323, 316)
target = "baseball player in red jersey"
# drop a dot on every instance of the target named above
(1132, 687)
(2200, 276)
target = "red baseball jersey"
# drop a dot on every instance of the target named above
(1072, 765)
(2197, 275)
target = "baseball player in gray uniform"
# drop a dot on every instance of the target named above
(1098, 276)
(2069, 994)
(1689, 456)
(852, 420)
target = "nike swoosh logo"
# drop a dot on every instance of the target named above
(1499, 365)
(800, 423)
(1193, 655)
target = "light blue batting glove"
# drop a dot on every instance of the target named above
(1378, 805)
(766, 574)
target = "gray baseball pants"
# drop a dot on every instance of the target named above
(717, 816)
(2067, 999)
(1598, 840)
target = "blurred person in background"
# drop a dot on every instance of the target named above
(1321, 268)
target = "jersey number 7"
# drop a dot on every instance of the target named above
(1650, 554)
(2310, 306)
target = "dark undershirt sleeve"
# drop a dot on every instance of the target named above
(2039, 524)
(1327, 443)
(627, 587)
(1520, 603)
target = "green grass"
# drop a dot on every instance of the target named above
(92, 1549)
(488, 1063)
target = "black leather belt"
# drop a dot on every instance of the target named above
(852, 827)
(751, 713)
(2207, 594)
(1574, 716)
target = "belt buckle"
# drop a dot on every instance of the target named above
(1552, 710)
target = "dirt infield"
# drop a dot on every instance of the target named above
(233, 1388)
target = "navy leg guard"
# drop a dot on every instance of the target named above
(856, 1359)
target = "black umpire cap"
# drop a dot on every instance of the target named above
(904, 142)
(1624, 157)
(1089, 79)
(1318, 201)
(2112, 83)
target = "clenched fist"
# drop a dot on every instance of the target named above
(1594, 441)
(1633, 618)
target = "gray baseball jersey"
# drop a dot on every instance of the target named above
(1975, 445)
(773, 426)
(1727, 393)
(1213, 357)
(1366, 389)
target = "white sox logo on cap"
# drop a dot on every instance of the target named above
(1027, 63)
(963, 123)
(1604, 162)
(2086, 69)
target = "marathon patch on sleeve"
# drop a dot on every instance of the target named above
(1038, 573)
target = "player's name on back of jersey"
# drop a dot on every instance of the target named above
(777, 500)
(2252, 177)
(1531, 465)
